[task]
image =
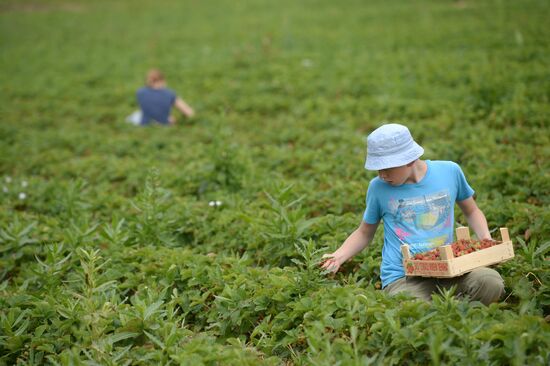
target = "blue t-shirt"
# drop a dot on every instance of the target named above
(155, 104)
(419, 214)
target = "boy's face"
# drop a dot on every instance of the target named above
(396, 176)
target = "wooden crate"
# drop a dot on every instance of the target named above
(449, 266)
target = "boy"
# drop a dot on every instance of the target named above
(415, 199)
(156, 101)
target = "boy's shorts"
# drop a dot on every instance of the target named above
(482, 284)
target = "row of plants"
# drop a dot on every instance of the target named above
(125, 301)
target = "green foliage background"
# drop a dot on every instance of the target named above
(114, 256)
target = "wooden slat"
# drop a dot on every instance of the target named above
(504, 234)
(462, 232)
(446, 252)
(483, 258)
(405, 251)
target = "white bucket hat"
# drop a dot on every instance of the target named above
(390, 146)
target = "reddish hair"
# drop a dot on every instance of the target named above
(153, 76)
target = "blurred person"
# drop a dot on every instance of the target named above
(156, 101)
(415, 199)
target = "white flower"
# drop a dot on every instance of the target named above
(22, 196)
(307, 62)
(218, 203)
(5, 189)
(212, 203)
(24, 184)
(8, 179)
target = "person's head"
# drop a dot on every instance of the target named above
(154, 78)
(392, 151)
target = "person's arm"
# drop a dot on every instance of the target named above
(184, 108)
(356, 242)
(475, 217)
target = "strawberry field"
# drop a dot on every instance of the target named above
(200, 243)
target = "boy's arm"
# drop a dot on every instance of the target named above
(475, 217)
(184, 107)
(356, 242)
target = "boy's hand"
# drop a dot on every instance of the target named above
(331, 264)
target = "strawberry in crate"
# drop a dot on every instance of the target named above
(460, 247)
(432, 255)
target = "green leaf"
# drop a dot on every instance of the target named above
(152, 309)
(154, 339)
(117, 337)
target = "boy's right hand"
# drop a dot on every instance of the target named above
(331, 264)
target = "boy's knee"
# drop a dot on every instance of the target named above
(419, 288)
(485, 285)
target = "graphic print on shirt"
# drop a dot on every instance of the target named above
(423, 221)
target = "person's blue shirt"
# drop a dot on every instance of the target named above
(155, 104)
(419, 214)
